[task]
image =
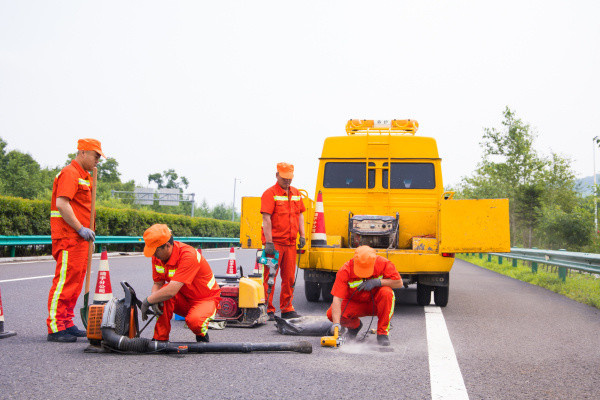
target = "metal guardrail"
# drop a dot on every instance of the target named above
(562, 259)
(13, 241)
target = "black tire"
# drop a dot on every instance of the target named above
(423, 294)
(326, 291)
(312, 291)
(440, 295)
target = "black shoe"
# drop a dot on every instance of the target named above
(271, 316)
(204, 338)
(290, 314)
(351, 335)
(383, 340)
(76, 332)
(61, 337)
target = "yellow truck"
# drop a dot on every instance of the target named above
(381, 186)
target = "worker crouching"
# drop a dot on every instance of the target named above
(183, 284)
(363, 287)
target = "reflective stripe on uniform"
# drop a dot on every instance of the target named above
(171, 273)
(204, 327)
(355, 284)
(57, 292)
(296, 198)
(212, 282)
(280, 198)
(55, 213)
(84, 182)
(159, 269)
(391, 311)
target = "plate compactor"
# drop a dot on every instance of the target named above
(114, 327)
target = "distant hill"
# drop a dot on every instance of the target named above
(584, 185)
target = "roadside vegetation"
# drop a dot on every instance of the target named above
(581, 287)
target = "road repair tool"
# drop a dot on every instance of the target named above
(113, 327)
(242, 301)
(333, 341)
(274, 261)
(86, 296)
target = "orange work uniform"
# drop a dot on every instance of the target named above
(379, 301)
(285, 210)
(68, 248)
(197, 299)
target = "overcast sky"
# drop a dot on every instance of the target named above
(226, 89)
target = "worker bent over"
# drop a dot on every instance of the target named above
(183, 283)
(70, 212)
(281, 207)
(363, 287)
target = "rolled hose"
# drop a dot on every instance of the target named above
(113, 340)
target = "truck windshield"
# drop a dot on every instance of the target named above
(347, 175)
(410, 176)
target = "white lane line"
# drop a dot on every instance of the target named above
(446, 379)
(52, 276)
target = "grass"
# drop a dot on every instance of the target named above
(581, 287)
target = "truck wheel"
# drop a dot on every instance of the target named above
(312, 291)
(440, 295)
(326, 291)
(423, 294)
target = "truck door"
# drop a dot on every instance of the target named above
(251, 223)
(477, 226)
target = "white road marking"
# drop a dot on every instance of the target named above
(52, 276)
(446, 379)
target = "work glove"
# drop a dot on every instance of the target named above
(269, 248)
(301, 242)
(332, 329)
(369, 284)
(146, 307)
(87, 234)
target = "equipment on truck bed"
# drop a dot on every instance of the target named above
(113, 327)
(376, 231)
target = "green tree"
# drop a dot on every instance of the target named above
(107, 170)
(169, 179)
(21, 175)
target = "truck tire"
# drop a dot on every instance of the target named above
(423, 294)
(326, 291)
(440, 295)
(312, 291)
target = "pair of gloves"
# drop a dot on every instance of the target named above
(147, 307)
(270, 247)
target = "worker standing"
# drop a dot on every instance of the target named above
(70, 211)
(363, 287)
(282, 219)
(183, 284)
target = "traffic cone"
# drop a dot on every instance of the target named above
(257, 269)
(318, 237)
(3, 333)
(231, 267)
(103, 292)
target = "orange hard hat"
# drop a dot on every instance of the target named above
(156, 236)
(364, 261)
(90, 144)
(286, 171)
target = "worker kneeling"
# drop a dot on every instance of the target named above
(183, 283)
(363, 287)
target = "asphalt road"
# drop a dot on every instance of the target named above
(511, 340)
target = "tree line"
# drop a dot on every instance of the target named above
(22, 176)
(546, 210)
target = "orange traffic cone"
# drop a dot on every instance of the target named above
(103, 292)
(318, 237)
(231, 267)
(3, 333)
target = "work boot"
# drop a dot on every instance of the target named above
(383, 340)
(271, 316)
(351, 335)
(76, 332)
(61, 337)
(290, 314)
(204, 338)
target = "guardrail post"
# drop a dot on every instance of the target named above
(514, 262)
(562, 273)
(480, 255)
(13, 251)
(489, 258)
(534, 267)
(500, 260)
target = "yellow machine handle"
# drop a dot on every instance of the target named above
(331, 341)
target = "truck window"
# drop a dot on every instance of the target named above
(347, 175)
(410, 176)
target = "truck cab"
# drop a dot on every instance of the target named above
(381, 185)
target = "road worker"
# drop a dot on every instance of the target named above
(363, 287)
(71, 233)
(183, 284)
(282, 219)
